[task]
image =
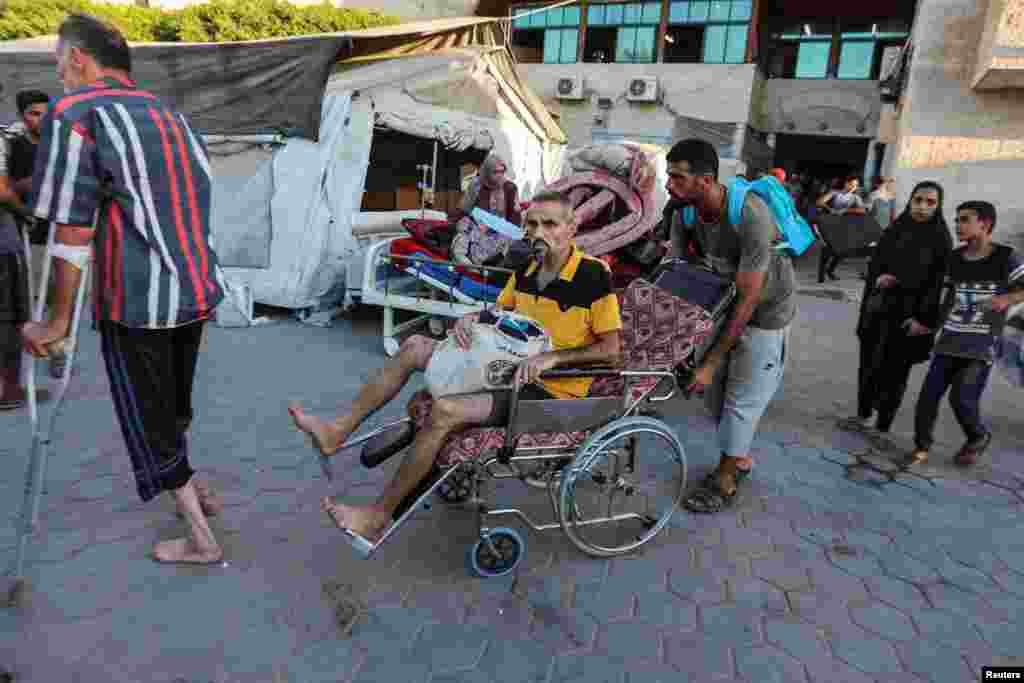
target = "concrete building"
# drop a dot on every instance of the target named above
(773, 82)
(960, 119)
(796, 83)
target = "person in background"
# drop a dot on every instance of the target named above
(32, 106)
(841, 201)
(882, 201)
(900, 307)
(838, 202)
(14, 297)
(491, 191)
(984, 281)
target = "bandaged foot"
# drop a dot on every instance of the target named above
(185, 551)
(367, 522)
(327, 438)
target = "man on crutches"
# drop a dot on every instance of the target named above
(156, 278)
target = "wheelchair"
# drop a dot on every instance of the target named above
(614, 472)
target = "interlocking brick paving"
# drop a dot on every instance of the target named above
(814, 576)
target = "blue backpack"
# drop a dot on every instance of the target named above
(797, 236)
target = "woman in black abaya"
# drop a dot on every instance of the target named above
(899, 311)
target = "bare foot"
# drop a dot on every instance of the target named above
(183, 550)
(364, 521)
(326, 437)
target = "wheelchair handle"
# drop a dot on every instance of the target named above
(601, 371)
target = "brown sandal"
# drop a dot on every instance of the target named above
(918, 457)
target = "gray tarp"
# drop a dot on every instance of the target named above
(721, 134)
(256, 86)
(242, 216)
(236, 88)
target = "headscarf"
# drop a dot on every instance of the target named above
(485, 178)
(917, 255)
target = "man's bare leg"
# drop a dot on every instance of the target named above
(200, 547)
(447, 416)
(329, 435)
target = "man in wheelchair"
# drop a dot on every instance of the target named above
(565, 291)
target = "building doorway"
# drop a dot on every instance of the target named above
(821, 157)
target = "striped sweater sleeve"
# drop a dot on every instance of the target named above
(65, 182)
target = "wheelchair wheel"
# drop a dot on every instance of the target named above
(623, 486)
(497, 554)
(457, 488)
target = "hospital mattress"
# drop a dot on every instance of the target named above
(440, 276)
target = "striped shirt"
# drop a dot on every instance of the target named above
(155, 267)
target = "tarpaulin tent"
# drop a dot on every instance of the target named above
(283, 223)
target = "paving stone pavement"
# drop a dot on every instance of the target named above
(817, 575)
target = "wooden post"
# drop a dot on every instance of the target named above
(662, 31)
(582, 38)
(754, 32)
(833, 56)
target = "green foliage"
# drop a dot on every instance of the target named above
(217, 21)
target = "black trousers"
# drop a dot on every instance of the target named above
(151, 374)
(828, 262)
(830, 259)
(14, 310)
(885, 364)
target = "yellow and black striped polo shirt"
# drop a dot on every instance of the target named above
(574, 309)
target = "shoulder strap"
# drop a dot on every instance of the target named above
(689, 216)
(737, 191)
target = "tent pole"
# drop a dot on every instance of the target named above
(433, 175)
(273, 139)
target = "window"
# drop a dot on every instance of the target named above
(719, 28)
(625, 33)
(855, 58)
(862, 44)
(551, 36)
(805, 50)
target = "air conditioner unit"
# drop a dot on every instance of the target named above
(569, 88)
(642, 90)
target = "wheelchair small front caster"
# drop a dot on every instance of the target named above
(497, 554)
(457, 488)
